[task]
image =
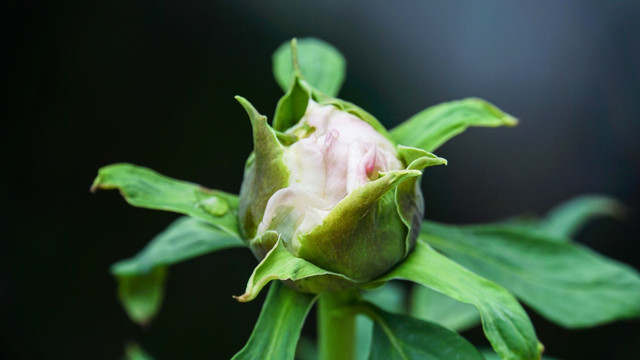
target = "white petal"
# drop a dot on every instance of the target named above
(340, 155)
(306, 164)
(306, 208)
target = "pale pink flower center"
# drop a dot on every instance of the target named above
(342, 154)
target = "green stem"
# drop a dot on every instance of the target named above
(337, 325)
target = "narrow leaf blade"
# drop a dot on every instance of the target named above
(403, 337)
(389, 297)
(432, 127)
(430, 305)
(184, 239)
(141, 278)
(565, 282)
(143, 187)
(568, 218)
(491, 355)
(277, 331)
(505, 323)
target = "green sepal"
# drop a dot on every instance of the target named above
(265, 172)
(363, 235)
(432, 127)
(321, 65)
(418, 159)
(409, 199)
(141, 295)
(504, 321)
(141, 278)
(280, 264)
(563, 281)
(301, 85)
(286, 138)
(278, 328)
(143, 187)
(292, 106)
(263, 243)
(400, 337)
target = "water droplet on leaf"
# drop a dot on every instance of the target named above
(214, 205)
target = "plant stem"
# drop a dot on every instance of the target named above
(337, 325)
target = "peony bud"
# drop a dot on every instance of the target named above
(337, 192)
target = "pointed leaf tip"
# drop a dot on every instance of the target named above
(505, 322)
(143, 187)
(242, 298)
(418, 159)
(431, 128)
(248, 107)
(510, 120)
(563, 281)
(294, 57)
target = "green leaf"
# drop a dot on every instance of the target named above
(406, 338)
(276, 333)
(505, 323)
(322, 66)
(491, 355)
(143, 187)
(389, 297)
(141, 295)
(141, 278)
(185, 238)
(292, 106)
(568, 218)
(364, 337)
(280, 264)
(306, 349)
(434, 126)
(565, 282)
(133, 351)
(430, 305)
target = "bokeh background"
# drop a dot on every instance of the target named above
(152, 83)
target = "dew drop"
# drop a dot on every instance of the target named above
(214, 205)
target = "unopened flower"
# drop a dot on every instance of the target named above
(337, 192)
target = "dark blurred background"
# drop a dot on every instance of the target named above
(152, 83)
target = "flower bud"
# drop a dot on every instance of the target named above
(337, 192)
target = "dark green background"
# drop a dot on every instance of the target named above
(152, 83)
